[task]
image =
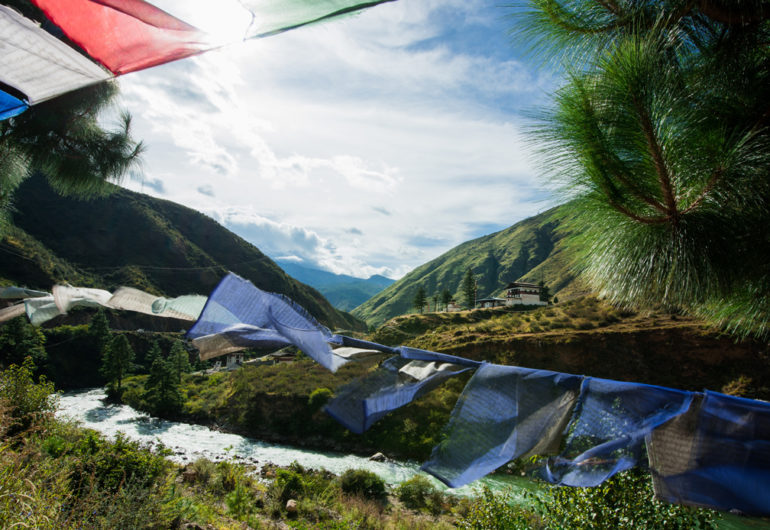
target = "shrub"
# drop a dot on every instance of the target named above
(363, 483)
(289, 483)
(318, 398)
(204, 470)
(110, 465)
(492, 511)
(624, 501)
(226, 476)
(418, 493)
(26, 400)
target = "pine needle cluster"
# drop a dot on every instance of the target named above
(659, 139)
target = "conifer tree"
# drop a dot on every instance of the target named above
(99, 329)
(162, 392)
(420, 298)
(179, 359)
(116, 363)
(20, 339)
(545, 292)
(468, 288)
(153, 353)
(660, 141)
(446, 297)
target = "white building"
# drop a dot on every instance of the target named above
(520, 293)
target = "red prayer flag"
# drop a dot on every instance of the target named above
(125, 35)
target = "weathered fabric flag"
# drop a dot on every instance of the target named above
(38, 64)
(504, 413)
(609, 427)
(10, 106)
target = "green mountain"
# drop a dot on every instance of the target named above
(530, 250)
(343, 291)
(132, 239)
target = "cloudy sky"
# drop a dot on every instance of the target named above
(366, 145)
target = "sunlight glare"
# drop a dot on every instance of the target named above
(226, 21)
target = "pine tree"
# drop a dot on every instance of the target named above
(545, 292)
(468, 288)
(446, 297)
(660, 140)
(153, 353)
(116, 363)
(99, 329)
(20, 339)
(162, 392)
(179, 359)
(420, 298)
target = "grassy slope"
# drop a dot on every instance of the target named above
(136, 240)
(529, 250)
(586, 336)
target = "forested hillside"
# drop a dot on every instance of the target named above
(132, 239)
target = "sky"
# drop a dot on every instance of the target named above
(364, 145)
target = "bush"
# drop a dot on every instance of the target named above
(318, 398)
(624, 501)
(492, 511)
(363, 483)
(26, 401)
(289, 483)
(418, 493)
(110, 465)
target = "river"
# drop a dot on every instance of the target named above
(189, 442)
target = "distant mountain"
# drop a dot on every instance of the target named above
(136, 240)
(530, 250)
(343, 291)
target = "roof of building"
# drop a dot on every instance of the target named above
(523, 284)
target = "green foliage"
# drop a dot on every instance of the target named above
(99, 329)
(468, 288)
(116, 363)
(318, 398)
(362, 482)
(660, 140)
(625, 501)
(418, 493)
(420, 299)
(27, 401)
(545, 292)
(179, 359)
(161, 388)
(493, 511)
(446, 297)
(20, 339)
(290, 484)
(64, 139)
(153, 354)
(111, 465)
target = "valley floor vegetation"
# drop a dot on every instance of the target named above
(54, 474)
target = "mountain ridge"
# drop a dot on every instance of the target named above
(132, 239)
(343, 291)
(531, 250)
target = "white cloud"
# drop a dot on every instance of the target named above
(363, 146)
